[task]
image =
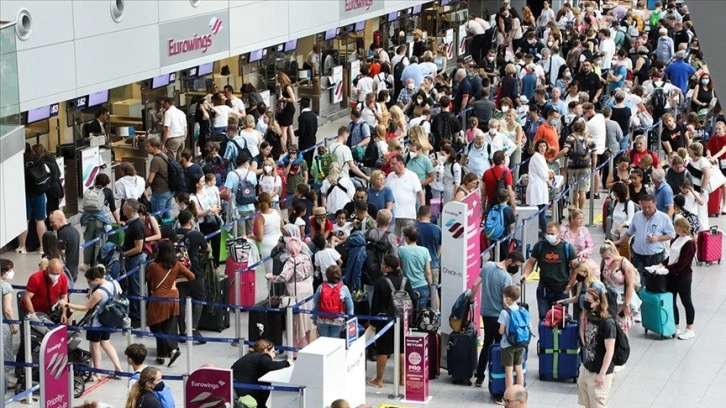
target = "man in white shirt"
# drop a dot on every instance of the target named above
(175, 129)
(400, 54)
(671, 91)
(607, 48)
(476, 29)
(237, 105)
(406, 189)
(495, 141)
(365, 85)
(344, 156)
(551, 62)
(371, 112)
(597, 129)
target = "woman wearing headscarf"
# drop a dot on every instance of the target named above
(297, 274)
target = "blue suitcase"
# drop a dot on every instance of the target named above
(496, 371)
(559, 352)
(656, 313)
(461, 357)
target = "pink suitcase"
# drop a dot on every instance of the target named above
(714, 203)
(245, 279)
(710, 244)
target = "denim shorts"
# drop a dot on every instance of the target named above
(35, 207)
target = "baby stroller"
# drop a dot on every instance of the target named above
(76, 355)
(112, 257)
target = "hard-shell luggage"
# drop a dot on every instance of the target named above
(605, 215)
(216, 318)
(559, 352)
(714, 203)
(434, 355)
(265, 324)
(461, 358)
(656, 313)
(245, 279)
(710, 246)
(496, 370)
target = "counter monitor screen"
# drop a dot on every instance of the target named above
(445, 2)
(330, 34)
(160, 81)
(416, 10)
(255, 55)
(280, 48)
(360, 26)
(290, 45)
(205, 69)
(393, 16)
(38, 114)
(98, 98)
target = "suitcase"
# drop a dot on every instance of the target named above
(461, 358)
(656, 313)
(216, 318)
(710, 245)
(245, 279)
(714, 203)
(434, 355)
(655, 283)
(496, 371)
(605, 215)
(266, 325)
(559, 352)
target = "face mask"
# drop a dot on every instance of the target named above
(10, 275)
(388, 99)
(568, 75)
(505, 109)
(552, 239)
(419, 101)
(532, 42)
(588, 307)
(54, 278)
(444, 157)
(490, 59)
(159, 387)
(512, 269)
(549, 43)
(580, 278)
(410, 87)
(705, 81)
(413, 155)
(268, 169)
(492, 132)
(613, 196)
(553, 122)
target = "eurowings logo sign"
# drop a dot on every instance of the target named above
(193, 37)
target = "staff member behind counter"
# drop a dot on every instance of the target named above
(97, 125)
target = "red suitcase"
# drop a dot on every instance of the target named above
(714, 203)
(245, 279)
(710, 244)
(434, 355)
(605, 214)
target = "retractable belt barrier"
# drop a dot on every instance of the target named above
(22, 395)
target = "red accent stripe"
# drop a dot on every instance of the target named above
(217, 26)
(95, 385)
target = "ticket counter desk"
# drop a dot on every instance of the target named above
(133, 150)
(327, 370)
(322, 99)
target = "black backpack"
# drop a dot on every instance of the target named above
(371, 155)
(622, 345)
(658, 100)
(56, 187)
(579, 154)
(397, 73)
(376, 249)
(566, 129)
(274, 140)
(37, 176)
(177, 181)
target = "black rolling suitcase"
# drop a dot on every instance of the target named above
(266, 325)
(216, 318)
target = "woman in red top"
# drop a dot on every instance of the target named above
(640, 150)
(716, 152)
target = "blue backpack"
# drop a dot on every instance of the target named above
(518, 332)
(165, 395)
(494, 225)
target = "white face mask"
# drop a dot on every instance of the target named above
(54, 278)
(413, 155)
(10, 275)
(505, 109)
(410, 87)
(268, 169)
(551, 238)
(419, 101)
(388, 99)
(492, 132)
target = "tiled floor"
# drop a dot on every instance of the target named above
(660, 373)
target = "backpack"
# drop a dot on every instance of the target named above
(241, 150)
(93, 199)
(622, 345)
(580, 154)
(385, 81)
(330, 301)
(37, 176)
(566, 128)
(177, 181)
(115, 310)
(494, 225)
(165, 396)
(655, 17)
(428, 321)
(397, 73)
(375, 251)
(444, 128)
(246, 192)
(371, 155)
(325, 162)
(460, 312)
(181, 248)
(400, 301)
(518, 332)
(56, 187)
(658, 100)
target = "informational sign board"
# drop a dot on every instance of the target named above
(209, 387)
(351, 332)
(54, 385)
(338, 82)
(462, 41)
(91, 166)
(417, 368)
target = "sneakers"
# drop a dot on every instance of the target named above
(21, 250)
(498, 400)
(687, 334)
(478, 383)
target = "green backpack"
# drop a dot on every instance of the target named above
(326, 161)
(655, 18)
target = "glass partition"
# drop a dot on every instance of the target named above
(9, 90)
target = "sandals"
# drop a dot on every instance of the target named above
(373, 382)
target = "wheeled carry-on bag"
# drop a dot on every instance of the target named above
(710, 246)
(461, 357)
(559, 352)
(714, 203)
(216, 318)
(265, 324)
(656, 313)
(434, 355)
(496, 370)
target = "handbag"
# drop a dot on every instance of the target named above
(716, 180)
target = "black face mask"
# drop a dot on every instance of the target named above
(159, 387)
(512, 269)
(580, 278)
(588, 307)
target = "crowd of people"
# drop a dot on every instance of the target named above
(559, 94)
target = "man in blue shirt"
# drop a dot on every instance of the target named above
(493, 278)
(463, 92)
(679, 71)
(429, 237)
(662, 192)
(653, 231)
(618, 72)
(243, 171)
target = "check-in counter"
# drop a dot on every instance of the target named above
(322, 99)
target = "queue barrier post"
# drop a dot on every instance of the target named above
(142, 290)
(240, 347)
(28, 359)
(303, 397)
(497, 250)
(524, 238)
(189, 330)
(289, 330)
(593, 190)
(71, 387)
(127, 334)
(396, 361)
